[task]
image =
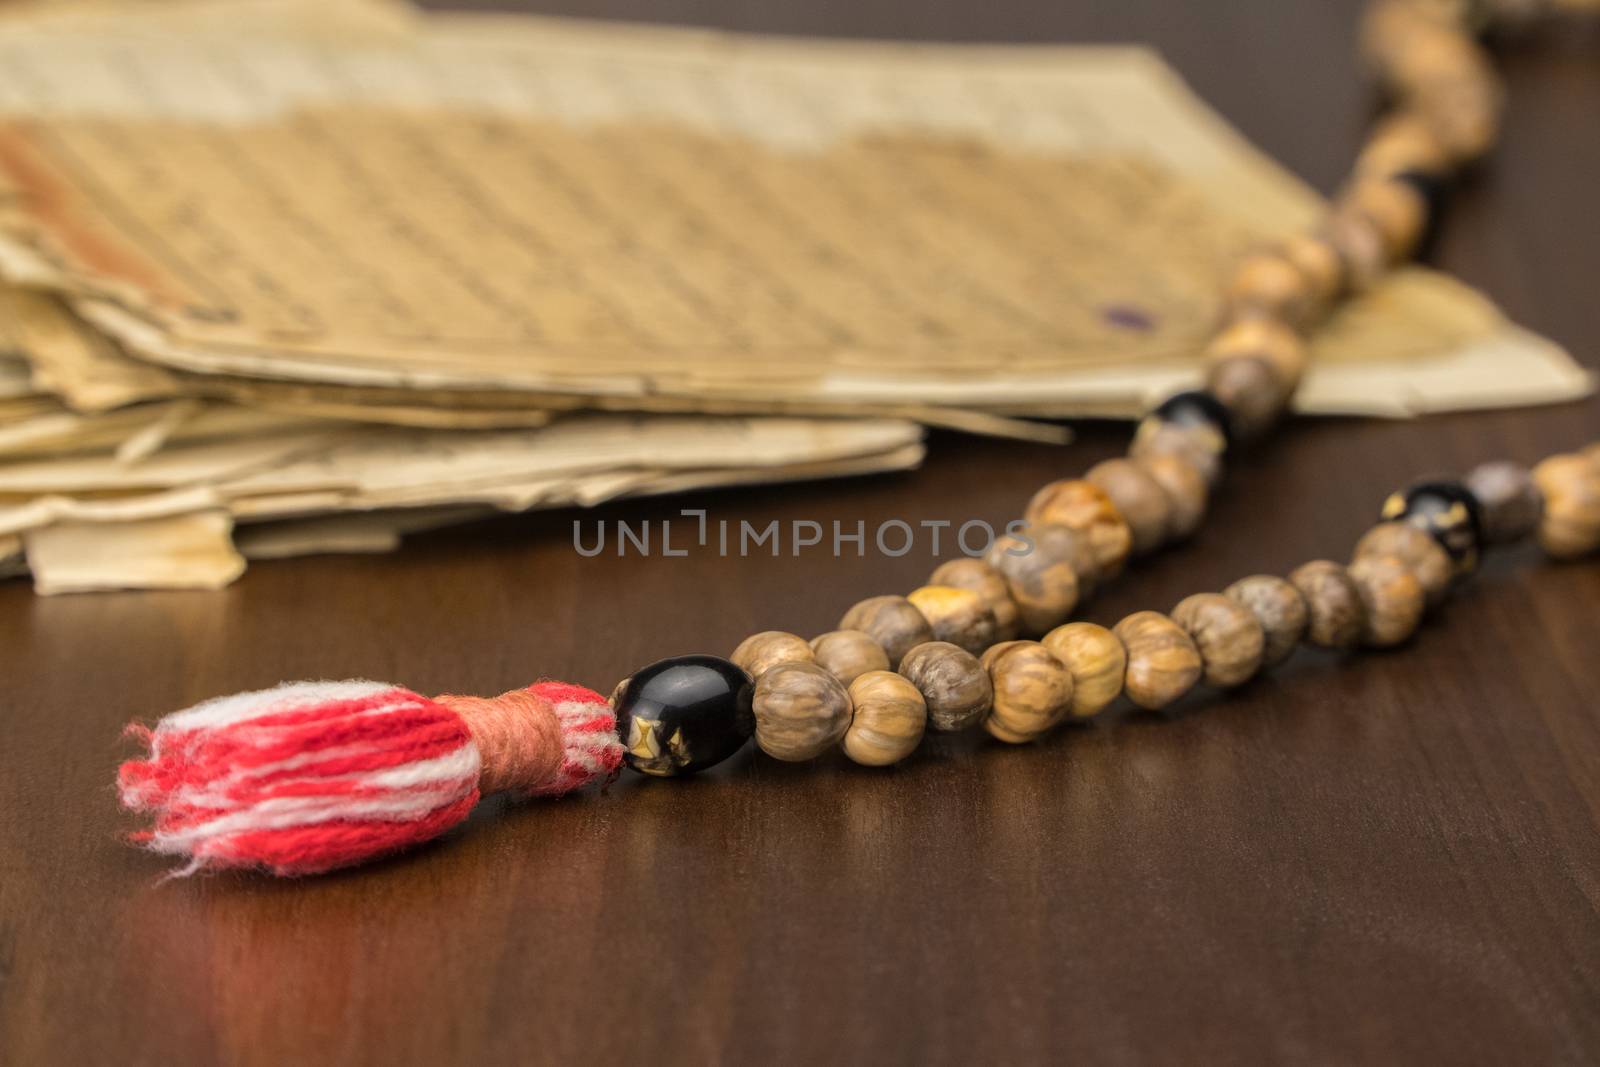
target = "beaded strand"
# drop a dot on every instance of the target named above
(898, 666)
(306, 777)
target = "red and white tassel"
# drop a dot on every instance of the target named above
(310, 776)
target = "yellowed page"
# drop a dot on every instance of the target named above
(193, 551)
(646, 215)
(90, 372)
(363, 468)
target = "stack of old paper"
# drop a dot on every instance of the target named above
(283, 275)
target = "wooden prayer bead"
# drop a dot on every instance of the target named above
(1269, 284)
(1163, 662)
(1278, 607)
(1391, 597)
(1402, 143)
(1510, 502)
(1418, 54)
(1320, 263)
(848, 654)
(989, 584)
(888, 719)
(1138, 497)
(760, 652)
(1360, 247)
(1390, 31)
(954, 685)
(1464, 114)
(1041, 567)
(1336, 618)
(1096, 660)
(892, 621)
(955, 615)
(1269, 340)
(1032, 691)
(1057, 542)
(1083, 506)
(1186, 492)
(1252, 390)
(1396, 208)
(1202, 447)
(1424, 556)
(801, 711)
(1230, 639)
(1570, 485)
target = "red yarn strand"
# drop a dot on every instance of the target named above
(313, 776)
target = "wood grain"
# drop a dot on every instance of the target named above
(1381, 857)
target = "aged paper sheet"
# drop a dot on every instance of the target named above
(190, 551)
(642, 217)
(298, 472)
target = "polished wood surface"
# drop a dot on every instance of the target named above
(1385, 857)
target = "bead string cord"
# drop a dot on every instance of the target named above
(308, 777)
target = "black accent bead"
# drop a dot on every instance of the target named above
(1197, 407)
(1446, 509)
(684, 714)
(1435, 190)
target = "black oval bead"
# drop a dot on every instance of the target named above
(1435, 192)
(1449, 511)
(1197, 407)
(684, 714)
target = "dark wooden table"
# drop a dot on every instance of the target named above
(1381, 858)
